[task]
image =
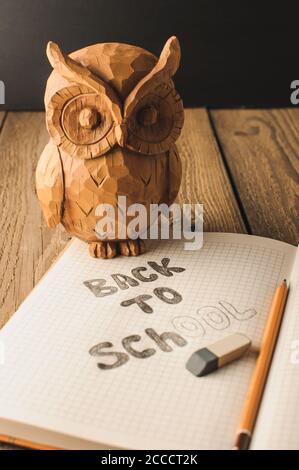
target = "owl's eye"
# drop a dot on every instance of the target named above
(148, 115)
(156, 122)
(89, 118)
(86, 120)
(80, 122)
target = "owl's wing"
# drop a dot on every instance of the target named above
(50, 185)
(175, 173)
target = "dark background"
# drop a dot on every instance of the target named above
(235, 54)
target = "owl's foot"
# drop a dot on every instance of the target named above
(132, 247)
(105, 250)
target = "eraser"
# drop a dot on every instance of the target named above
(216, 355)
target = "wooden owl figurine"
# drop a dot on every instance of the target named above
(113, 116)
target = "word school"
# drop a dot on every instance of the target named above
(100, 288)
(215, 317)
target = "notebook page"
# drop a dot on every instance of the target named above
(49, 379)
(278, 421)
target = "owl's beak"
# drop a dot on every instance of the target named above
(121, 134)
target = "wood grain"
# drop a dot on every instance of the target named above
(261, 148)
(2, 116)
(27, 247)
(204, 177)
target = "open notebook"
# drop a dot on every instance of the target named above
(81, 369)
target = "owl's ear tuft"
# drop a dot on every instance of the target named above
(75, 72)
(161, 74)
(170, 56)
(54, 54)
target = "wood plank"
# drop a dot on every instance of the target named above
(261, 148)
(27, 246)
(204, 177)
(2, 116)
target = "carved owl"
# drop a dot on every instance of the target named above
(113, 116)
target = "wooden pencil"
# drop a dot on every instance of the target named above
(15, 441)
(259, 376)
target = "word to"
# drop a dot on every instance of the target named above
(153, 221)
(100, 288)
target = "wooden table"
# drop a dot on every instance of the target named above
(243, 165)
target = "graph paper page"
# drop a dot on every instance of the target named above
(50, 379)
(278, 422)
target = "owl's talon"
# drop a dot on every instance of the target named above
(111, 250)
(105, 250)
(141, 247)
(132, 247)
(124, 248)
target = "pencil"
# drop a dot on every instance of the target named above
(24, 443)
(263, 362)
